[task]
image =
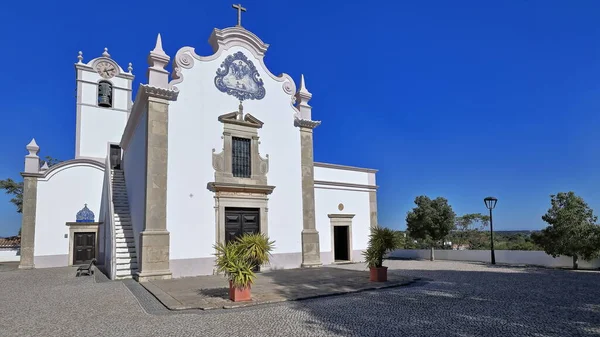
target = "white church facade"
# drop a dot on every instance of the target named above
(216, 148)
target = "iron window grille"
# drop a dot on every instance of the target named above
(241, 157)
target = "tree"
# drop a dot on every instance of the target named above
(468, 229)
(572, 229)
(431, 220)
(15, 188)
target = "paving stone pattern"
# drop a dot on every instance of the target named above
(453, 299)
(212, 292)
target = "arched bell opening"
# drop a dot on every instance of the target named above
(105, 91)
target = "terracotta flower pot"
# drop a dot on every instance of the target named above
(378, 274)
(239, 294)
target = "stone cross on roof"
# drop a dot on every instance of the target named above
(240, 9)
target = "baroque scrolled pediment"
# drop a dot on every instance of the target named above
(231, 36)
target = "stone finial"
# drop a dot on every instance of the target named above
(303, 89)
(80, 57)
(158, 48)
(33, 148)
(106, 54)
(157, 60)
(32, 161)
(240, 114)
(130, 67)
(45, 167)
(302, 98)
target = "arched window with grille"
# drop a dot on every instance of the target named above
(105, 91)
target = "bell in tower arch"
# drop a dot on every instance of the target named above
(105, 94)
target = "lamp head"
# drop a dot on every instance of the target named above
(490, 202)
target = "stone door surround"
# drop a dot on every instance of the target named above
(341, 220)
(81, 227)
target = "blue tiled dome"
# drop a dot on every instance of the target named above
(85, 215)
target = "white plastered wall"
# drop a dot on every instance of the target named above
(341, 176)
(100, 125)
(194, 132)
(60, 196)
(355, 201)
(134, 162)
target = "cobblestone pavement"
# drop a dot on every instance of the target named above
(454, 299)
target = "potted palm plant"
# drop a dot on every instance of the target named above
(239, 259)
(381, 241)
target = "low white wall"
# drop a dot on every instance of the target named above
(10, 255)
(536, 258)
(60, 195)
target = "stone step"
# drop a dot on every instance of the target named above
(123, 226)
(124, 240)
(125, 222)
(125, 245)
(122, 258)
(126, 255)
(122, 217)
(125, 249)
(125, 273)
(126, 266)
(123, 234)
(126, 231)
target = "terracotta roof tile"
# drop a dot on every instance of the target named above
(10, 242)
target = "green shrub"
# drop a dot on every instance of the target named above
(381, 241)
(238, 259)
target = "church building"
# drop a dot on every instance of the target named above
(216, 148)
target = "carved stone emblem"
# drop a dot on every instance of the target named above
(238, 77)
(341, 207)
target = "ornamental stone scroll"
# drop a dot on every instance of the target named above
(238, 125)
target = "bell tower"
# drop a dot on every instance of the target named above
(103, 105)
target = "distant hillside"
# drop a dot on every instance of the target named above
(527, 232)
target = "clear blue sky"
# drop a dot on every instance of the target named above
(460, 99)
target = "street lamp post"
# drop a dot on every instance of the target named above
(490, 203)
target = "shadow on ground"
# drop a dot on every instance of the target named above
(222, 293)
(9, 266)
(485, 301)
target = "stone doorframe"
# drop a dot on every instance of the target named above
(226, 199)
(341, 220)
(82, 227)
